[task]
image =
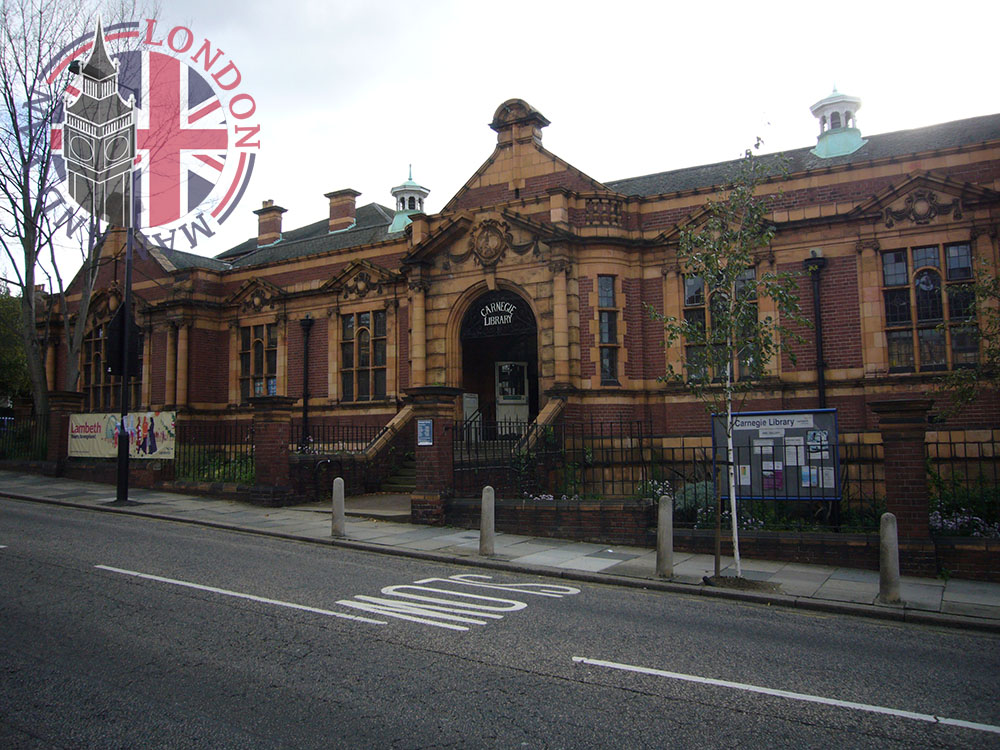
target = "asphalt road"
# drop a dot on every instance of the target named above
(193, 637)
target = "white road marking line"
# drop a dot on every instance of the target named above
(239, 595)
(930, 718)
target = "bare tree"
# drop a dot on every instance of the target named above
(34, 34)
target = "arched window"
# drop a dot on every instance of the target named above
(835, 120)
(101, 389)
(258, 361)
(701, 306)
(363, 356)
(413, 203)
(421, 202)
(848, 119)
(928, 308)
(822, 124)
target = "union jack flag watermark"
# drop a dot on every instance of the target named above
(196, 136)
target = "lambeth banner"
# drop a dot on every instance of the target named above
(150, 434)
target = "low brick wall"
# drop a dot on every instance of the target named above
(975, 559)
(836, 550)
(142, 473)
(606, 522)
(634, 524)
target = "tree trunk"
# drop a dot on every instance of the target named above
(730, 455)
(33, 353)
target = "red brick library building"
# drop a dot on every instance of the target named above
(526, 295)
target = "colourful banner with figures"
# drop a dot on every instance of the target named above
(150, 434)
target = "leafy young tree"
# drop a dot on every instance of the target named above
(727, 354)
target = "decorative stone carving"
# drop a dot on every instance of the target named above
(990, 231)
(361, 285)
(922, 207)
(862, 245)
(559, 265)
(255, 296)
(420, 285)
(489, 241)
(361, 279)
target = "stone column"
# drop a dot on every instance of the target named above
(333, 384)
(873, 341)
(147, 367)
(418, 335)
(234, 362)
(170, 396)
(182, 364)
(903, 425)
(61, 405)
(272, 433)
(673, 306)
(435, 463)
(560, 321)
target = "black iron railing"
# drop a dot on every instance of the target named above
(215, 452)
(842, 491)
(23, 438)
(964, 480)
(334, 437)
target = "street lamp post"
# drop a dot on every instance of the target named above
(99, 143)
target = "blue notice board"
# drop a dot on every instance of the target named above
(781, 455)
(425, 432)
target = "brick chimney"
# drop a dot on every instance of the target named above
(342, 208)
(268, 223)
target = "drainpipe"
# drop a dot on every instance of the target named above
(307, 324)
(814, 265)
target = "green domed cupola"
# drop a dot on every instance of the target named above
(838, 131)
(409, 200)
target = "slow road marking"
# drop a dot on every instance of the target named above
(449, 605)
(929, 718)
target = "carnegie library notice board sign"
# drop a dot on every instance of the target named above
(786, 455)
(150, 434)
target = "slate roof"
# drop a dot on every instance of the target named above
(371, 224)
(181, 260)
(900, 143)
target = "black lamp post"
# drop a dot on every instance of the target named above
(99, 136)
(307, 324)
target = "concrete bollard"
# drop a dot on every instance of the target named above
(665, 538)
(486, 526)
(338, 526)
(888, 561)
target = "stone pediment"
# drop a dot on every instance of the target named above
(923, 199)
(256, 295)
(361, 279)
(105, 302)
(491, 238)
(485, 239)
(692, 222)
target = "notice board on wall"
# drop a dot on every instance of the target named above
(784, 455)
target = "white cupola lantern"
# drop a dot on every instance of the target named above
(838, 130)
(409, 200)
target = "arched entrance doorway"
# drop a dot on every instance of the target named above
(500, 358)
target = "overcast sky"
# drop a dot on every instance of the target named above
(350, 93)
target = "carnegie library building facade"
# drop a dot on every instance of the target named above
(526, 298)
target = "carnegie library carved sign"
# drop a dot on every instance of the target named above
(499, 313)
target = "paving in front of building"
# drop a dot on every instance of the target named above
(379, 522)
